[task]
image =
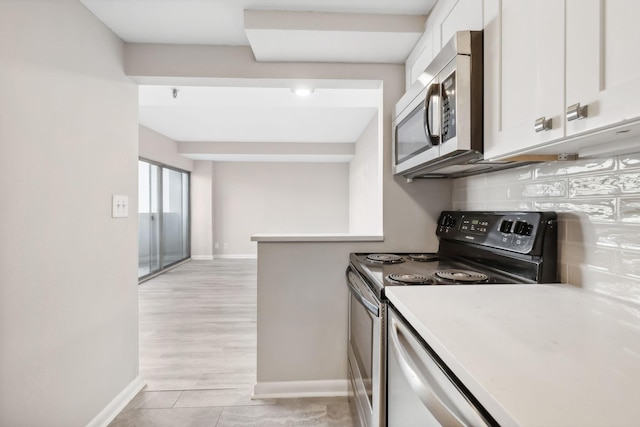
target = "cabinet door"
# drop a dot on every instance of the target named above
(466, 15)
(523, 74)
(603, 66)
(419, 58)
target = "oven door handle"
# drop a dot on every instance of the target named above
(416, 373)
(371, 307)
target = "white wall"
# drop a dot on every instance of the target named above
(68, 271)
(157, 147)
(202, 210)
(277, 198)
(365, 183)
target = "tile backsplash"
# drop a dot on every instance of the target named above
(598, 205)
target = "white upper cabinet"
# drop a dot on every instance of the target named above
(419, 58)
(447, 17)
(459, 15)
(547, 59)
(603, 65)
(524, 74)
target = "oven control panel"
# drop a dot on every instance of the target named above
(512, 231)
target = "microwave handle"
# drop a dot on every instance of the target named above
(433, 89)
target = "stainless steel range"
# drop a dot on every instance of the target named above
(476, 248)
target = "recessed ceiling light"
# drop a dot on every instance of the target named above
(302, 91)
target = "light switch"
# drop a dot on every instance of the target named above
(120, 206)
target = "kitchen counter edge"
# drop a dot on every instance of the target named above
(316, 238)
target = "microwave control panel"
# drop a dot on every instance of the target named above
(448, 94)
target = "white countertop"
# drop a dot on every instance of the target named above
(534, 355)
(317, 237)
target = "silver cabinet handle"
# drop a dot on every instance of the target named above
(420, 385)
(543, 124)
(576, 112)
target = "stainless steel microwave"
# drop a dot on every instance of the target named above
(438, 123)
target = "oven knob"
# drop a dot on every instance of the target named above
(448, 221)
(523, 228)
(505, 227)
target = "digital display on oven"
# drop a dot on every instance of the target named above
(474, 225)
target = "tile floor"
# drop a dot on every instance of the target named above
(198, 355)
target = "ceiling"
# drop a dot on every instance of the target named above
(368, 31)
(199, 112)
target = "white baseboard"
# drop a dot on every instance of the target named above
(289, 389)
(117, 404)
(237, 256)
(202, 257)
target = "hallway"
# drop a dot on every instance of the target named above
(198, 354)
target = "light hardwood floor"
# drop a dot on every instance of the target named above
(198, 355)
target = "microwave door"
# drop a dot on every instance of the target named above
(417, 132)
(432, 114)
(411, 137)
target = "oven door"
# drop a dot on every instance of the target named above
(364, 352)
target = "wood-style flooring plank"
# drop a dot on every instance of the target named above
(198, 355)
(198, 326)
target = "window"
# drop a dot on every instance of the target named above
(163, 236)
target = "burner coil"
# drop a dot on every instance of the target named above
(423, 257)
(385, 258)
(409, 279)
(465, 276)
